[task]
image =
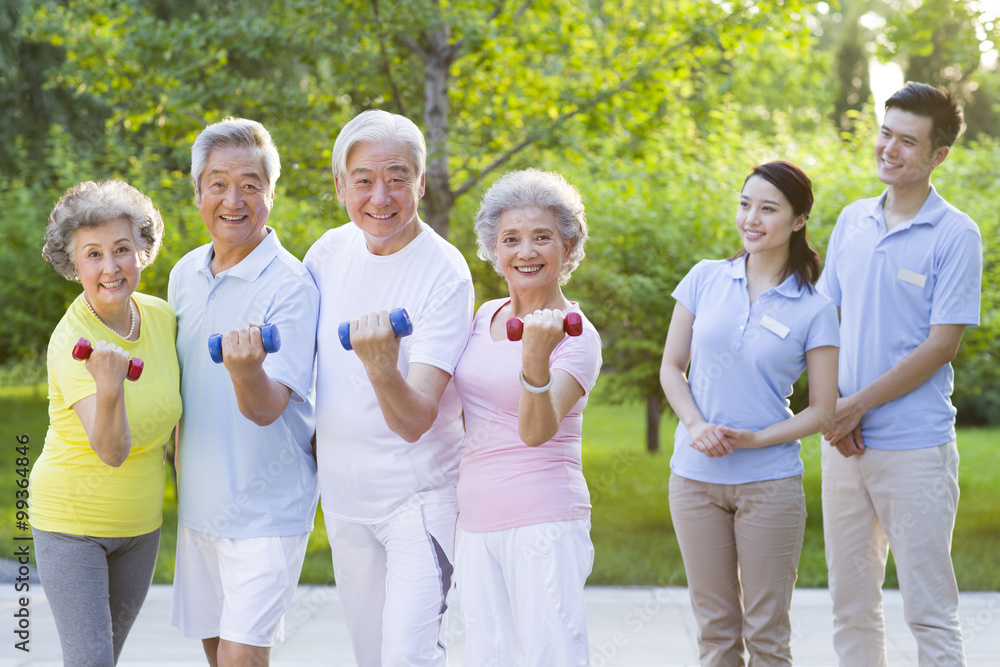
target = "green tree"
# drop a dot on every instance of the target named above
(487, 80)
(942, 42)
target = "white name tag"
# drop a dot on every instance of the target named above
(911, 277)
(774, 326)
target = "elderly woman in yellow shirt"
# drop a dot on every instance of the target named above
(97, 487)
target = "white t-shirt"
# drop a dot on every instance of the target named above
(367, 472)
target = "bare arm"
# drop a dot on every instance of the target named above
(103, 414)
(821, 363)
(903, 377)
(705, 437)
(410, 404)
(540, 413)
(260, 399)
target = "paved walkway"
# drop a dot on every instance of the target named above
(628, 627)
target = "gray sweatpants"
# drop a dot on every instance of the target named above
(95, 587)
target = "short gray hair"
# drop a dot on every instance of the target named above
(91, 205)
(375, 126)
(546, 190)
(236, 133)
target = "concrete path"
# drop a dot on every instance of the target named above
(628, 627)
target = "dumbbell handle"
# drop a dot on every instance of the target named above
(269, 338)
(83, 348)
(572, 325)
(399, 318)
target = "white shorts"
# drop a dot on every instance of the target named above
(237, 590)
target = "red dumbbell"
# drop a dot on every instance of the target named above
(572, 324)
(82, 351)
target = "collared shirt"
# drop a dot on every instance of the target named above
(237, 479)
(892, 286)
(745, 357)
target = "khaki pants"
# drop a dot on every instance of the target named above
(741, 546)
(904, 500)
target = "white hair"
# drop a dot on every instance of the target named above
(546, 190)
(236, 133)
(375, 126)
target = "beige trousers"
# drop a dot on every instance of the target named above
(741, 546)
(904, 500)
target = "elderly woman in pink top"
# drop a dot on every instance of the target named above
(524, 551)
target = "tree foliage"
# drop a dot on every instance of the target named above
(654, 109)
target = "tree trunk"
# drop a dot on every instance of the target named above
(653, 423)
(438, 198)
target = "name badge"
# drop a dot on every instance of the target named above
(911, 277)
(774, 326)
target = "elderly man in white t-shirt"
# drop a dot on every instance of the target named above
(389, 425)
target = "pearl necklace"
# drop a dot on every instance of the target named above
(131, 319)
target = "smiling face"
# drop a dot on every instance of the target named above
(108, 264)
(381, 191)
(904, 150)
(234, 199)
(530, 252)
(765, 218)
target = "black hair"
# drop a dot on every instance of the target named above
(803, 262)
(935, 103)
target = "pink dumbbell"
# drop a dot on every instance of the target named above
(572, 324)
(82, 351)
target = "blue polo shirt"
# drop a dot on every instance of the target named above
(237, 479)
(891, 287)
(745, 357)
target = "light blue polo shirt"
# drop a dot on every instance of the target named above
(744, 360)
(237, 479)
(891, 287)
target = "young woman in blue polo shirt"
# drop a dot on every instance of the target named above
(748, 326)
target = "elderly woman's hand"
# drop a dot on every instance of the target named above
(543, 330)
(108, 363)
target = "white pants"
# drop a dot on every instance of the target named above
(521, 594)
(237, 590)
(393, 579)
(904, 500)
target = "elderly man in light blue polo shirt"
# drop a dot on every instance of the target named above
(905, 271)
(246, 472)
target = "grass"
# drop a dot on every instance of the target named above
(631, 528)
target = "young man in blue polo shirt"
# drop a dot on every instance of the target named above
(904, 269)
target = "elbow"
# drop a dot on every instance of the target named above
(948, 354)
(117, 458)
(411, 435)
(413, 431)
(263, 420)
(264, 416)
(534, 439)
(417, 432)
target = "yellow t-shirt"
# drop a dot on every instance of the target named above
(72, 490)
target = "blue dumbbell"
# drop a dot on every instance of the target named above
(268, 336)
(399, 318)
